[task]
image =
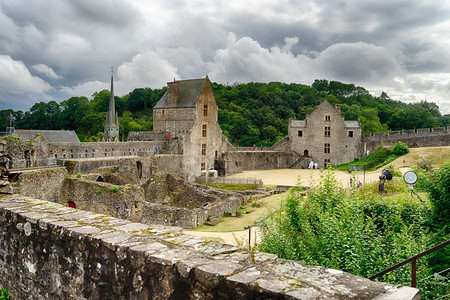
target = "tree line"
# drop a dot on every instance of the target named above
(249, 113)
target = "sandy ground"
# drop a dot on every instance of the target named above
(290, 176)
(233, 238)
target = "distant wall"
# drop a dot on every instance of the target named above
(427, 137)
(48, 251)
(106, 149)
(238, 161)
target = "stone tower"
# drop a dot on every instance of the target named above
(111, 133)
(10, 124)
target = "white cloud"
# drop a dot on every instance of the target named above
(15, 78)
(46, 70)
(144, 70)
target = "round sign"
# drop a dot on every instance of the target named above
(410, 177)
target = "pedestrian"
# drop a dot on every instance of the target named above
(254, 147)
(262, 147)
(156, 150)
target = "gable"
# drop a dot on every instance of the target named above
(189, 92)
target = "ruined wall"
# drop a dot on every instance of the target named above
(253, 160)
(48, 251)
(107, 149)
(45, 184)
(412, 138)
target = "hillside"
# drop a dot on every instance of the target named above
(250, 113)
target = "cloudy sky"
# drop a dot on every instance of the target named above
(55, 49)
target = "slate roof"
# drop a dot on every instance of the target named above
(190, 90)
(352, 124)
(51, 136)
(298, 123)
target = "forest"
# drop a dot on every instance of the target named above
(249, 113)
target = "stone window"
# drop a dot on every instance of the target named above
(205, 110)
(327, 131)
(326, 161)
(327, 118)
(204, 130)
(203, 149)
(203, 166)
(350, 133)
(326, 148)
(300, 133)
(163, 112)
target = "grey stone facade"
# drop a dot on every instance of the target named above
(188, 112)
(325, 136)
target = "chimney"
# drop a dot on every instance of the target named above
(173, 93)
(338, 108)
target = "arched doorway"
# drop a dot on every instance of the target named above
(27, 157)
(305, 153)
(139, 168)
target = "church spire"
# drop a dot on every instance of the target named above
(111, 133)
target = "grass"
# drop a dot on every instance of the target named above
(438, 156)
(229, 224)
(232, 187)
(365, 161)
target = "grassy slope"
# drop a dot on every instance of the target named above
(238, 223)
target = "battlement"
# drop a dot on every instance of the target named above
(81, 255)
(417, 133)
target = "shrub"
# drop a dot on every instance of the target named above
(114, 189)
(400, 149)
(4, 294)
(78, 175)
(360, 234)
(439, 194)
(98, 192)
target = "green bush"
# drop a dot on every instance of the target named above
(4, 294)
(400, 149)
(114, 189)
(357, 233)
(438, 188)
(78, 175)
(98, 192)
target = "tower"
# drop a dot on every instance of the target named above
(10, 124)
(111, 133)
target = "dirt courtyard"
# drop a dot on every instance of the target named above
(290, 176)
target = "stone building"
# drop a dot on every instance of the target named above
(188, 112)
(325, 136)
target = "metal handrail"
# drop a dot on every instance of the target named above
(411, 260)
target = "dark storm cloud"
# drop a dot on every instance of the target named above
(61, 48)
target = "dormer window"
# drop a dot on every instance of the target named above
(327, 118)
(205, 110)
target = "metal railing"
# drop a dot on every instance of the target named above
(411, 260)
(230, 180)
(15, 163)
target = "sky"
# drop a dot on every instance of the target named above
(56, 49)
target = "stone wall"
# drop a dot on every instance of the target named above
(238, 161)
(106, 149)
(45, 184)
(412, 138)
(48, 251)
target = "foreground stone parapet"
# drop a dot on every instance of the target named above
(48, 251)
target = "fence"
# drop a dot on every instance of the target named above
(31, 163)
(230, 180)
